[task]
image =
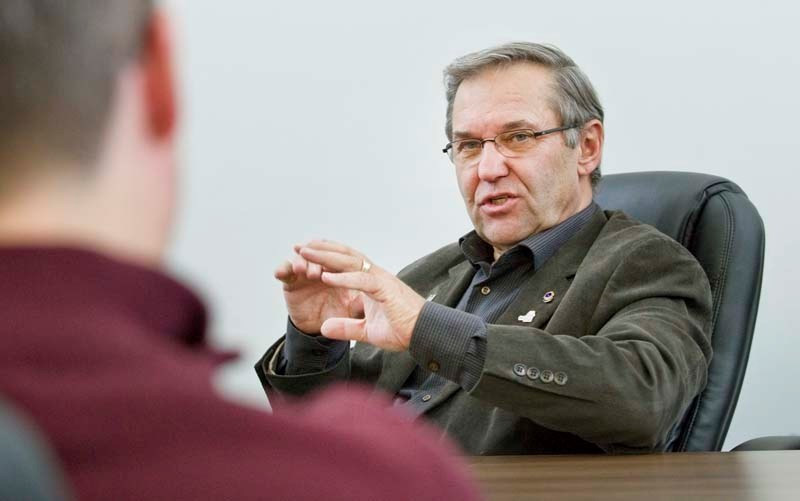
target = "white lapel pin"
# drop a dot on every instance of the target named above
(528, 317)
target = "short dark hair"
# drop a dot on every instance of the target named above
(59, 60)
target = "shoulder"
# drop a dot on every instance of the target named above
(623, 235)
(312, 447)
(628, 247)
(396, 456)
(433, 267)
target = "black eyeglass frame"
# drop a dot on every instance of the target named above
(448, 148)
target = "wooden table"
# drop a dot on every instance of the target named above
(761, 476)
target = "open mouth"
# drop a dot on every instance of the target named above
(498, 205)
(498, 200)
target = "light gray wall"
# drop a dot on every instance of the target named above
(325, 119)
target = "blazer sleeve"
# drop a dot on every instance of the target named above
(276, 385)
(362, 364)
(626, 382)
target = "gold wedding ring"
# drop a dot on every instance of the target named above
(365, 266)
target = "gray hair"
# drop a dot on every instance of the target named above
(574, 101)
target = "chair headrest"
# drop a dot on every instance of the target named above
(670, 201)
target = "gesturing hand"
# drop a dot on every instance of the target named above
(309, 301)
(389, 306)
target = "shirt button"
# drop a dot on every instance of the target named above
(547, 376)
(533, 373)
(520, 369)
(561, 378)
(433, 366)
(426, 397)
(485, 290)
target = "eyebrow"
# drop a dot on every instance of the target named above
(516, 124)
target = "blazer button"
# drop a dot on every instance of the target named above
(433, 366)
(520, 370)
(533, 373)
(547, 376)
(485, 290)
(426, 397)
(561, 378)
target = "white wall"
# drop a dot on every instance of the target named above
(325, 119)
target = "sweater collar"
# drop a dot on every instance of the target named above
(78, 280)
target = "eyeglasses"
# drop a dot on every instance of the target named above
(511, 144)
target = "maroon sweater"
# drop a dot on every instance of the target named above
(110, 361)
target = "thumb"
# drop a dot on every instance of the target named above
(345, 329)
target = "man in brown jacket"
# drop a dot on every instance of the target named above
(553, 327)
(104, 353)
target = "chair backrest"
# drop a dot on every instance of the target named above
(714, 219)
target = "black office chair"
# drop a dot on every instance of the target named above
(714, 219)
(28, 470)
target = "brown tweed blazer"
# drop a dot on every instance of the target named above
(610, 364)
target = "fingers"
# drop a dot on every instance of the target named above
(324, 255)
(299, 265)
(290, 271)
(345, 329)
(302, 267)
(314, 271)
(327, 245)
(357, 280)
(317, 257)
(284, 273)
(332, 260)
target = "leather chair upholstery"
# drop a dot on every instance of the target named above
(714, 219)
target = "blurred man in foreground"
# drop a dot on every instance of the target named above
(103, 352)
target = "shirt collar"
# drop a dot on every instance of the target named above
(540, 246)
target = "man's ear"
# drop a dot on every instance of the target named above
(156, 61)
(590, 147)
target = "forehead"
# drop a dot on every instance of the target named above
(501, 95)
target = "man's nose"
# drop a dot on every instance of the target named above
(492, 164)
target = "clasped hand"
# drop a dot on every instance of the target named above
(328, 291)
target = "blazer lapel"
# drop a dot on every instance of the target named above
(543, 293)
(449, 292)
(398, 366)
